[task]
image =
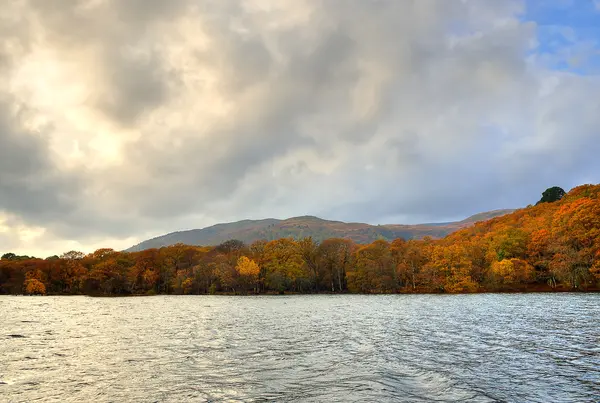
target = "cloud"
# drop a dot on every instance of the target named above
(29, 184)
(122, 120)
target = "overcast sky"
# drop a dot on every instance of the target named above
(126, 119)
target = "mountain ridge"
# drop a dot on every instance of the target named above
(303, 226)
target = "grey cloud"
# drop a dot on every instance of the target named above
(144, 11)
(135, 85)
(243, 61)
(29, 184)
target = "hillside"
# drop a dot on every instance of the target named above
(249, 231)
(552, 246)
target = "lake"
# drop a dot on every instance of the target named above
(407, 348)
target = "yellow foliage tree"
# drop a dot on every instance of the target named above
(248, 270)
(187, 285)
(247, 267)
(33, 286)
(510, 271)
(504, 271)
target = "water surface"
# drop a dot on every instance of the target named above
(409, 348)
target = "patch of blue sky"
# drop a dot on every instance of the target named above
(568, 34)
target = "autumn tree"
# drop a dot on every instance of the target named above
(257, 251)
(512, 271)
(248, 270)
(308, 249)
(72, 272)
(510, 243)
(34, 286)
(576, 237)
(143, 275)
(374, 269)
(450, 269)
(285, 267)
(409, 258)
(539, 254)
(226, 273)
(334, 261)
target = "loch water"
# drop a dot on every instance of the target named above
(309, 348)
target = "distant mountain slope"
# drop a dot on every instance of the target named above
(300, 227)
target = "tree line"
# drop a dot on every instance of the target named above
(554, 245)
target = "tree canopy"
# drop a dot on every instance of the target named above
(550, 246)
(552, 195)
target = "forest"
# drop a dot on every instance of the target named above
(551, 246)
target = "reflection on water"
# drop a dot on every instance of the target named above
(475, 348)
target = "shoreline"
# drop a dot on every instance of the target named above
(289, 293)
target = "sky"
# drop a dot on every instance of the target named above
(124, 120)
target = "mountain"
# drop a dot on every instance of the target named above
(319, 229)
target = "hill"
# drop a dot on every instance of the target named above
(319, 229)
(555, 244)
(552, 246)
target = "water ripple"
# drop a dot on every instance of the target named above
(464, 348)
